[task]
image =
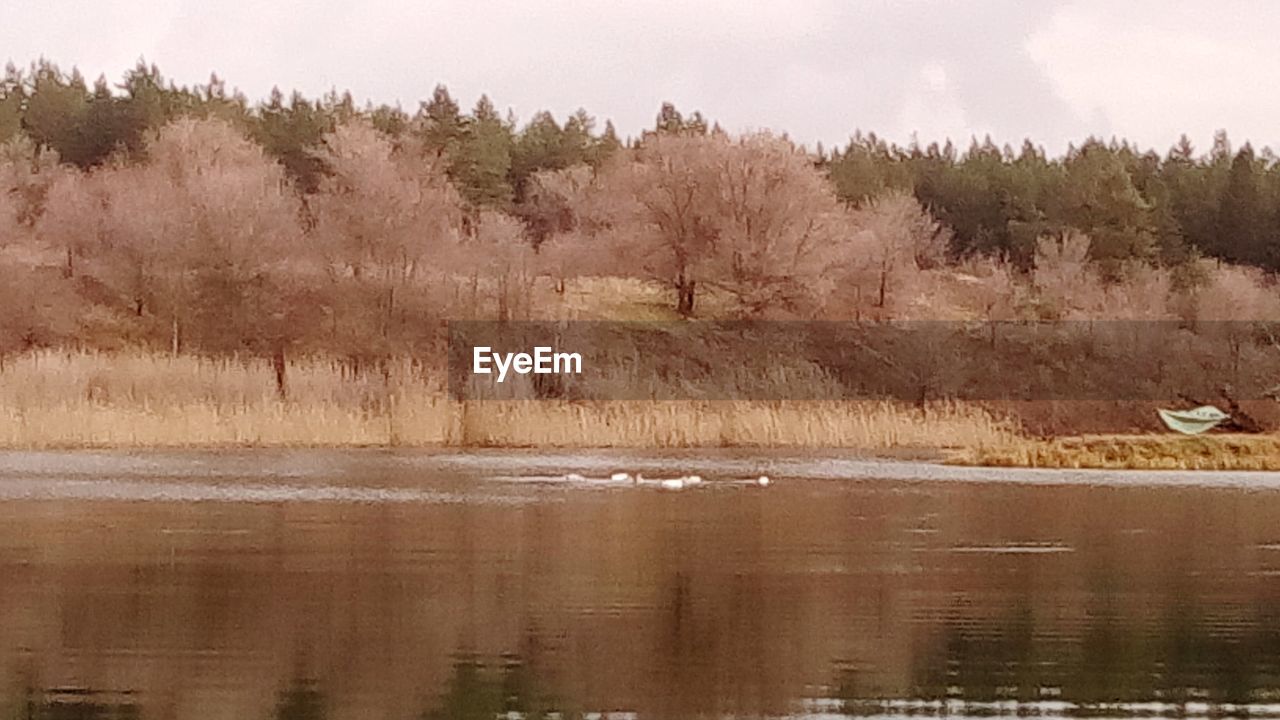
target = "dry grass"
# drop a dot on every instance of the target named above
(674, 424)
(101, 400)
(1136, 452)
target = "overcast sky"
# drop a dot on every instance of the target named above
(1056, 71)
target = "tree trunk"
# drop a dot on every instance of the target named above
(685, 294)
(281, 367)
(391, 307)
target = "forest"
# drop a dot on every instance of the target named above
(148, 216)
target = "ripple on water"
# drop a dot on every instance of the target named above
(1013, 549)
(150, 491)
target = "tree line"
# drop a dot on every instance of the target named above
(188, 219)
(489, 155)
(1133, 203)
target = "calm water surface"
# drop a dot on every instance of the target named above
(407, 585)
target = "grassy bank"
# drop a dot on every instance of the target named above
(50, 400)
(1135, 452)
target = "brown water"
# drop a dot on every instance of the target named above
(382, 585)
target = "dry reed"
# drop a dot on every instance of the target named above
(1132, 452)
(137, 400)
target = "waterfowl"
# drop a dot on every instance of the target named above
(620, 477)
(763, 481)
(673, 484)
(574, 477)
(692, 480)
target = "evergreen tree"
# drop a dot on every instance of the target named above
(55, 111)
(388, 120)
(481, 160)
(577, 141)
(291, 133)
(11, 101)
(440, 123)
(1242, 219)
(539, 146)
(606, 146)
(1101, 200)
(672, 122)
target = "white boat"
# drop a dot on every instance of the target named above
(1193, 421)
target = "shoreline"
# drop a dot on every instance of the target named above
(151, 402)
(1220, 451)
(1137, 452)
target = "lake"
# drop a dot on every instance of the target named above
(382, 584)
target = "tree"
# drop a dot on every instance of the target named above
(605, 147)
(500, 252)
(752, 216)
(194, 235)
(26, 173)
(381, 210)
(895, 240)
(481, 160)
(1100, 199)
(552, 200)
(11, 102)
(291, 133)
(383, 214)
(1242, 218)
(672, 122)
(439, 123)
(55, 108)
(539, 146)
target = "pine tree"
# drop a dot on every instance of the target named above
(539, 146)
(1101, 200)
(440, 122)
(481, 160)
(11, 101)
(291, 134)
(55, 110)
(606, 146)
(1242, 218)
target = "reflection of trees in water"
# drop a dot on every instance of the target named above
(72, 704)
(1179, 656)
(302, 700)
(717, 602)
(1181, 609)
(479, 692)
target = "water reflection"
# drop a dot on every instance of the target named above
(859, 598)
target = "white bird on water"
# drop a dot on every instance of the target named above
(679, 483)
(763, 481)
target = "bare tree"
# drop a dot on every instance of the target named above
(193, 233)
(552, 201)
(1067, 285)
(752, 216)
(26, 173)
(501, 252)
(383, 215)
(382, 209)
